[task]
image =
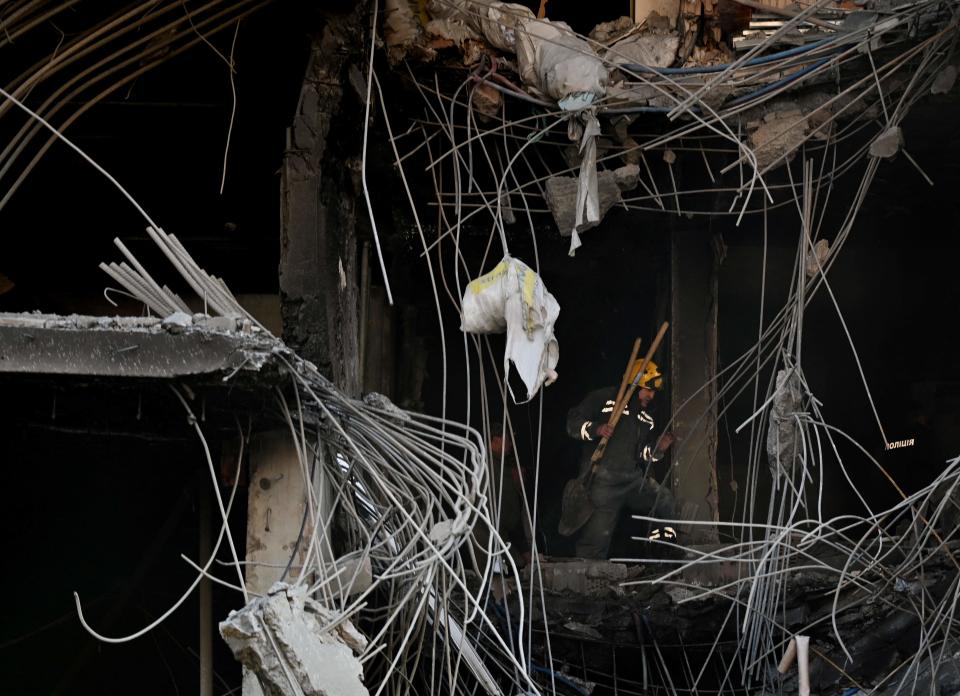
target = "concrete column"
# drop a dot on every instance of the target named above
(275, 508)
(318, 206)
(276, 501)
(693, 363)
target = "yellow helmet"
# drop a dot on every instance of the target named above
(651, 377)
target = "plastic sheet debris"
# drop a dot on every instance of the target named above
(552, 59)
(282, 639)
(513, 298)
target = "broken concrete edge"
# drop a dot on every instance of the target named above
(177, 346)
(200, 322)
(295, 645)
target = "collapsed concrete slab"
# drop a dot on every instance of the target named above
(283, 639)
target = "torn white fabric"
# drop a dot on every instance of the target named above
(513, 298)
(588, 198)
(575, 242)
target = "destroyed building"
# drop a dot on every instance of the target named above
(299, 302)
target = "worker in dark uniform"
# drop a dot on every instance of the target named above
(622, 479)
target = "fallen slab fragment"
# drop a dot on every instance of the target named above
(561, 196)
(282, 639)
(887, 143)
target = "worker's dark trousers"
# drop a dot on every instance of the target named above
(610, 497)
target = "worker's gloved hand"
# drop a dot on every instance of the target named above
(667, 439)
(602, 430)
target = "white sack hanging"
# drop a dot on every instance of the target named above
(513, 298)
